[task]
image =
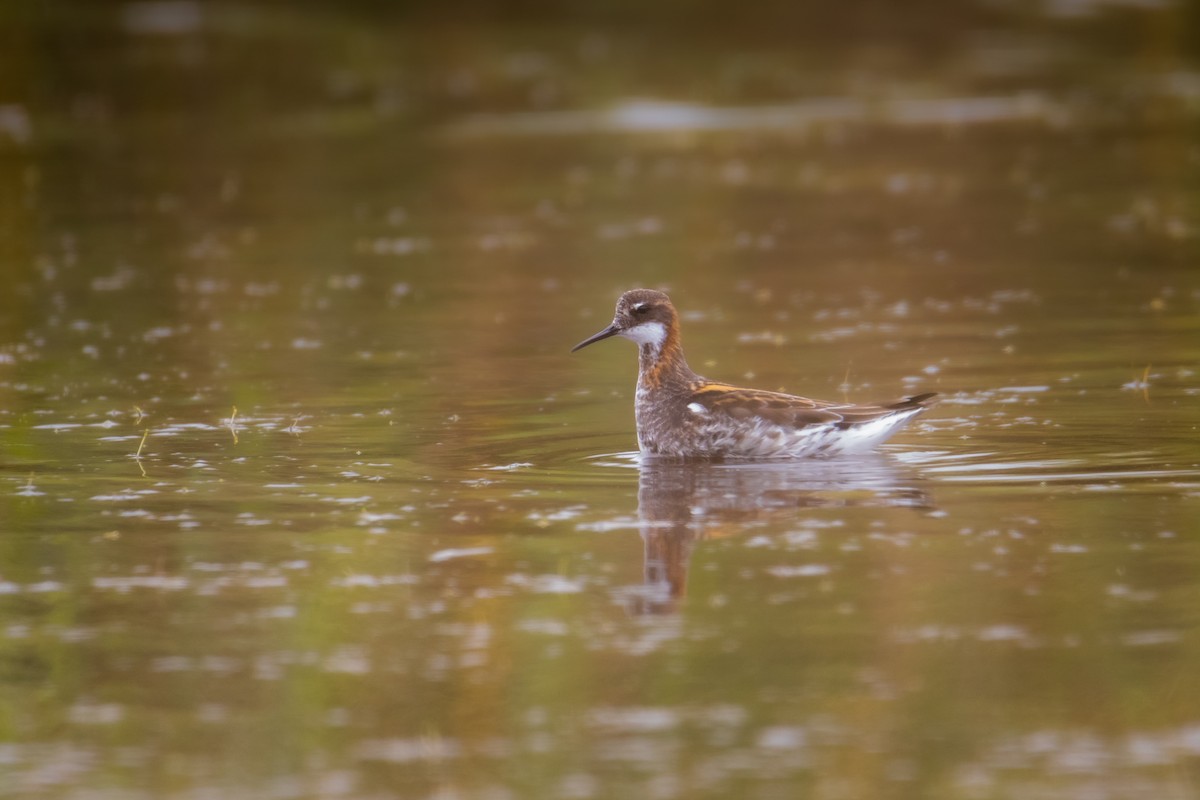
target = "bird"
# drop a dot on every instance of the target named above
(680, 414)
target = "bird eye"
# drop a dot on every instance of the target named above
(640, 309)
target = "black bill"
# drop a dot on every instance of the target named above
(611, 330)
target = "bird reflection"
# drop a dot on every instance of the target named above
(682, 503)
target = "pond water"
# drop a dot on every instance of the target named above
(302, 494)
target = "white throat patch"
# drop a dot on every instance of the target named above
(651, 333)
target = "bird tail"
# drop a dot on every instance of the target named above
(916, 401)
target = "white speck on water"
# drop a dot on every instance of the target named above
(570, 512)
(782, 737)
(548, 627)
(762, 337)
(115, 282)
(253, 289)
(459, 552)
(1129, 593)
(607, 525)
(212, 713)
(123, 496)
(822, 523)
(1002, 633)
(373, 581)
(800, 571)
(928, 633)
(395, 246)
(367, 518)
(405, 751)
(370, 608)
(349, 282)
(126, 584)
(41, 587)
(801, 539)
(348, 660)
(265, 582)
(1150, 638)
(546, 584)
(96, 713)
(640, 719)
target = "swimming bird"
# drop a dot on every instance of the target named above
(684, 415)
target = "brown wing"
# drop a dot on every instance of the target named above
(790, 410)
(774, 407)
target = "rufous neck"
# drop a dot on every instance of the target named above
(664, 364)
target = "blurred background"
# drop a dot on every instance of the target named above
(266, 177)
(301, 494)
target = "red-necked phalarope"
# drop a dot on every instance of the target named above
(684, 415)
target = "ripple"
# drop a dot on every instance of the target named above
(652, 116)
(1090, 471)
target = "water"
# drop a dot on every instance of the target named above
(302, 495)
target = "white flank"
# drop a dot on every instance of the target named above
(757, 438)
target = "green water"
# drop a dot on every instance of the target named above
(302, 495)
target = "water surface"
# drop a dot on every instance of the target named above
(302, 495)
